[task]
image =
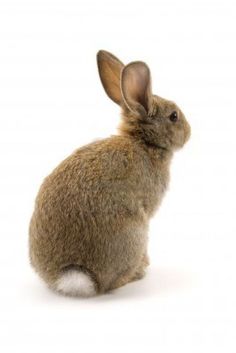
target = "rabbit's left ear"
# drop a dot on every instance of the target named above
(110, 68)
(136, 87)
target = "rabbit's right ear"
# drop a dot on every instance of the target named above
(110, 68)
(136, 87)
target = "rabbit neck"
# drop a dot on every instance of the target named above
(158, 155)
(157, 176)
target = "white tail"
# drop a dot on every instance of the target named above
(75, 283)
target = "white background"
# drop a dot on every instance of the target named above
(51, 102)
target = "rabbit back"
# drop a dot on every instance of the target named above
(92, 212)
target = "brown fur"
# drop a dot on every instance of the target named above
(93, 210)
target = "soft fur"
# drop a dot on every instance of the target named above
(92, 212)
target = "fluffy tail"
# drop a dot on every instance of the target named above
(76, 281)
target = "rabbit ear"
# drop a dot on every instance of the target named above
(109, 68)
(136, 87)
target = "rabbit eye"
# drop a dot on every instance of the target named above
(174, 117)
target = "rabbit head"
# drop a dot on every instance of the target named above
(155, 120)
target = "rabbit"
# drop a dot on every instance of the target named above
(89, 230)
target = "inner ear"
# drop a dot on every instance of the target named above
(136, 86)
(110, 68)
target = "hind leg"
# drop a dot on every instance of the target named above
(122, 280)
(141, 269)
(132, 274)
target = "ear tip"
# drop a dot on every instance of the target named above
(103, 53)
(137, 64)
(138, 67)
(103, 56)
(100, 54)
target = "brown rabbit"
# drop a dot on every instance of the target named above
(88, 232)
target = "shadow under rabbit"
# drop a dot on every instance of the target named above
(157, 282)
